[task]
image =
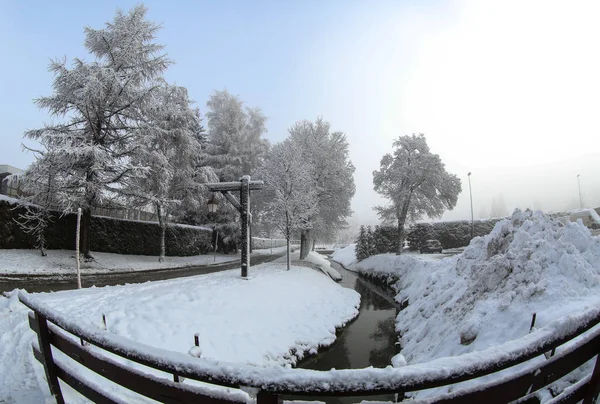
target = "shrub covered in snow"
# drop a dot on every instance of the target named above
(450, 234)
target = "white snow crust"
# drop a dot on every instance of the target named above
(486, 296)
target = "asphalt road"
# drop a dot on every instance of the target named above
(40, 283)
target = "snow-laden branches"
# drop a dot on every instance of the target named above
(416, 183)
(107, 105)
(287, 177)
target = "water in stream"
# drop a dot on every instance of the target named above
(370, 340)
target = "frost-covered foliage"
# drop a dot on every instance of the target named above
(293, 200)
(416, 183)
(332, 176)
(451, 234)
(39, 187)
(235, 145)
(529, 263)
(104, 105)
(170, 149)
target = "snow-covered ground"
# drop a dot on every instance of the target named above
(487, 295)
(62, 262)
(323, 264)
(259, 321)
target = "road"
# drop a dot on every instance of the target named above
(54, 282)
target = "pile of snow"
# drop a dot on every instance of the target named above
(529, 263)
(271, 319)
(323, 264)
(345, 256)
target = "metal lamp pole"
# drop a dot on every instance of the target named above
(579, 186)
(471, 195)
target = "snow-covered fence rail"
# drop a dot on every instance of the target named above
(575, 339)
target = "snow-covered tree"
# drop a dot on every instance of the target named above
(38, 185)
(170, 148)
(235, 144)
(103, 104)
(332, 177)
(293, 198)
(416, 183)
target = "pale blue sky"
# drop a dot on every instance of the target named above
(499, 88)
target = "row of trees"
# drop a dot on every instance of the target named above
(124, 136)
(310, 183)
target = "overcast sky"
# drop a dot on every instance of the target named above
(507, 90)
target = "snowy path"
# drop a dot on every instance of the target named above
(48, 283)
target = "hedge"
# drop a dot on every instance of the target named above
(384, 239)
(106, 234)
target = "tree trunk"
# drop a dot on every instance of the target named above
(84, 242)
(163, 229)
(401, 220)
(304, 247)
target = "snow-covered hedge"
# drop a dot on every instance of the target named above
(107, 234)
(450, 234)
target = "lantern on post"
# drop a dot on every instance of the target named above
(213, 204)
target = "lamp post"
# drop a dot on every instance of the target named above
(213, 206)
(579, 186)
(471, 196)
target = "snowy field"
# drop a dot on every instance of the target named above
(259, 321)
(62, 262)
(487, 295)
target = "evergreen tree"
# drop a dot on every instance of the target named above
(104, 103)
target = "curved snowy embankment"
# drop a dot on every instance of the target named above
(260, 321)
(486, 296)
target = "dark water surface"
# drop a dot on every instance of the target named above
(370, 340)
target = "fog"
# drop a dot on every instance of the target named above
(506, 90)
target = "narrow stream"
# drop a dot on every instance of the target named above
(370, 340)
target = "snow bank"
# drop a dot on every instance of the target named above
(345, 256)
(323, 264)
(486, 296)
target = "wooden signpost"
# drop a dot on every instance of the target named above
(245, 185)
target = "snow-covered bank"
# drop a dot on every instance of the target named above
(486, 296)
(62, 262)
(323, 264)
(345, 256)
(259, 321)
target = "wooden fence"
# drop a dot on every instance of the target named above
(577, 340)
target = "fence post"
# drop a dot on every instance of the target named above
(264, 397)
(46, 350)
(594, 384)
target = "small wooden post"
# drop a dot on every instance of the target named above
(196, 339)
(532, 322)
(77, 247)
(46, 350)
(268, 398)
(594, 384)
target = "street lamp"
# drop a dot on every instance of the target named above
(471, 195)
(213, 204)
(579, 186)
